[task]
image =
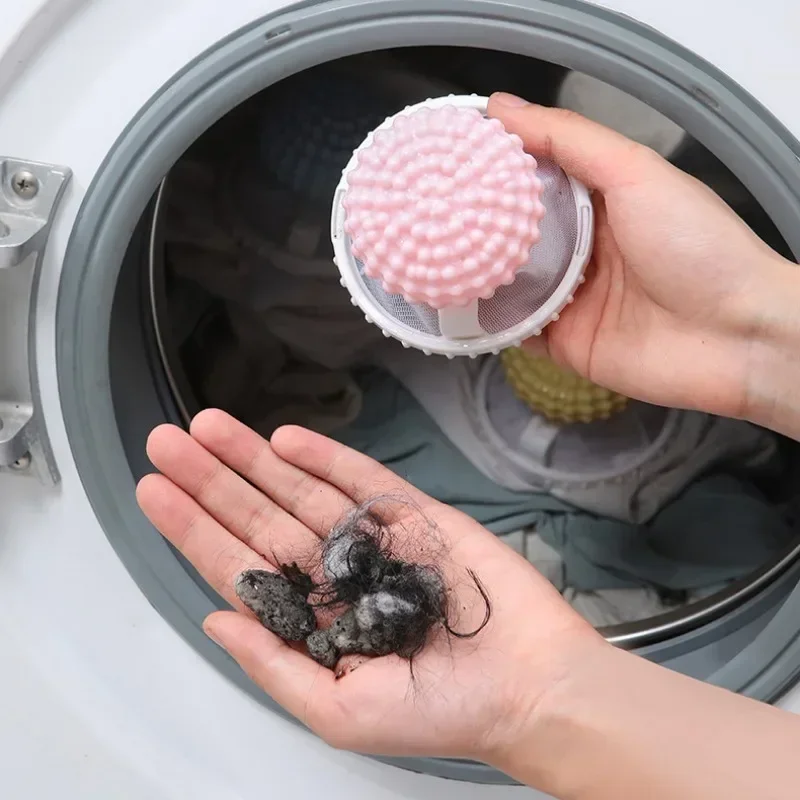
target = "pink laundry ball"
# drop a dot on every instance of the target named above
(443, 206)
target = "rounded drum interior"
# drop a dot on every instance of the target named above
(249, 316)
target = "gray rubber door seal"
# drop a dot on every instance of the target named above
(714, 110)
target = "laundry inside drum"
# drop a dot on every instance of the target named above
(648, 520)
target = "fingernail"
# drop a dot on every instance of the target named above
(509, 100)
(208, 632)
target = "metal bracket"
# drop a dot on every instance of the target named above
(29, 196)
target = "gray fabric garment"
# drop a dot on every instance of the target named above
(600, 608)
(234, 362)
(718, 529)
(290, 280)
(309, 311)
(276, 388)
(635, 472)
(607, 607)
(393, 429)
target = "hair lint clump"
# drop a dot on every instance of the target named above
(278, 604)
(384, 603)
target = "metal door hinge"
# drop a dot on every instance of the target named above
(29, 195)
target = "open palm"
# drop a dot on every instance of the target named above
(466, 697)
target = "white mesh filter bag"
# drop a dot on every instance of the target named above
(482, 299)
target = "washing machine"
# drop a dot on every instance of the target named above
(109, 686)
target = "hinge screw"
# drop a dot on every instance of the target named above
(25, 184)
(22, 463)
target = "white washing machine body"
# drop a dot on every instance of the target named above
(101, 698)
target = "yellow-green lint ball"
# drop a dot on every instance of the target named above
(557, 393)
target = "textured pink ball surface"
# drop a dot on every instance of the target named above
(443, 206)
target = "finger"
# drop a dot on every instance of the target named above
(317, 504)
(215, 553)
(537, 346)
(568, 337)
(361, 478)
(597, 156)
(289, 677)
(246, 512)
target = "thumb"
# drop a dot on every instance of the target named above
(597, 156)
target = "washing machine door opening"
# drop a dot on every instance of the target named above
(227, 296)
(249, 316)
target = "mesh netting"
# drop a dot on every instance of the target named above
(534, 283)
(539, 278)
(582, 449)
(419, 316)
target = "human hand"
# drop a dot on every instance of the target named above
(678, 287)
(469, 698)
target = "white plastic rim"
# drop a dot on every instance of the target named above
(551, 476)
(481, 342)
